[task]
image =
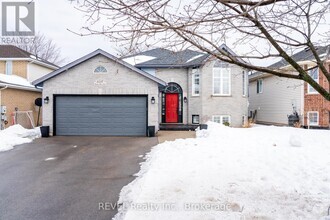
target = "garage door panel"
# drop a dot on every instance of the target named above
(101, 115)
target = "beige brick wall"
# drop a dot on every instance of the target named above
(235, 105)
(2, 67)
(23, 100)
(119, 80)
(178, 76)
(19, 68)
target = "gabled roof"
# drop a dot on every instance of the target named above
(304, 55)
(39, 81)
(13, 52)
(159, 57)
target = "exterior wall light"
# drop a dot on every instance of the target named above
(153, 100)
(185, 99)
(46, 100)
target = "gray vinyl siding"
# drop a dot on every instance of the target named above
(275, 102)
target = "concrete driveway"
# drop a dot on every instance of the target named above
(86, 171)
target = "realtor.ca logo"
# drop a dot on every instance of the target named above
(18, 19)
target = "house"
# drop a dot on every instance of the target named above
(273, 98)
(18, 69)
(100, 94)
(201, 87)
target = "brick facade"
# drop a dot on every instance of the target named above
(316, 103)
(21, 99)
(19, 68)
(2, 67)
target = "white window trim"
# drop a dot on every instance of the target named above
(310, 87)
(262, 86)
(221, 92)
(195, 72)
(318, 118)
(221, 118)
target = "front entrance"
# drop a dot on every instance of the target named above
(172, 107)
(172, 103)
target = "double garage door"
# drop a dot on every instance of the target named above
(101, 115)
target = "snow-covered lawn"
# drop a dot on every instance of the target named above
(263, 173)
(15, 135)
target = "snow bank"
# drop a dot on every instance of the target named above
(264, 172)
(15, 135)
(16, 80)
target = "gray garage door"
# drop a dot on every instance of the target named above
(101, 115)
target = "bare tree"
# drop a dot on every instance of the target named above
(44, 48)
(265, 28)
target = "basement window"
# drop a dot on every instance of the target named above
(195, 119)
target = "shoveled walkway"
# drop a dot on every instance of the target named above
(172, 135)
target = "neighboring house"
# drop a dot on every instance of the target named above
(100, 94)
(18, 69)
(273, 98)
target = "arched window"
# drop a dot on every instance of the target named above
(173, 88)
(100, 69)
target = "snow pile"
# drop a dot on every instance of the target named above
(264, 172)
(15, 135)
(138, 59)
(15, 80)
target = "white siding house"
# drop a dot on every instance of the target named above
(275, 99)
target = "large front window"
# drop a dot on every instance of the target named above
(221, 79)
(314, 73)
(195, 82)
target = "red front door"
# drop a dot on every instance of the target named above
(172, 104)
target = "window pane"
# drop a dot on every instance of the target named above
(314, 73)
(195, 119)
(225, 86)
(216, 89)
(216, 119)
(313, 118)
(9, 67)
(217, 72)
(225, 119)
(100, 69)
(195, 85)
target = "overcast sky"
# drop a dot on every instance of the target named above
(54, 17)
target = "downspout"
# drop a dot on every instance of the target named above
(187, 104)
